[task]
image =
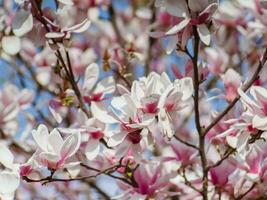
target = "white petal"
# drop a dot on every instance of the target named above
(92, 149)
(6, 157)
(91, 77)
(22, 22)
(178, 27)
(55, 140)
(79, 28)
(41, 136)
(9, 182)
(106, 86)
(101, 114)
(116, 139)
(11, 44)
(71, 145)
(204, 34)
(187, 88)
(232, 141)
(10, 112)
(260, 122)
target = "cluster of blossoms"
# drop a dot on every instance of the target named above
(133, 100)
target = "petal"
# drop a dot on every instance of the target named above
(178, 27)
(101, 114)
(9, 182)
(91, 77)
(11, 44)
(6, 157)
(92, 149)
(10, 112)
(41, 136)
(116, 139)
(22, 22)
(48, 159)
(55, 140)
(53, 107)
(106, 86)
(204, 34)
(187, 88)
(71, 145)
(260, 122)
(79, 28)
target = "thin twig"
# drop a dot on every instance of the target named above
(245, 88)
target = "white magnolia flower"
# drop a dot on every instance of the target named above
(133, 125)
(53, 151)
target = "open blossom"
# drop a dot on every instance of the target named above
(257, 107)
(133, 125)
(232, 81)
(53, 151)
(152, 182)
(92, 135)
(197, 13)
(217, 60)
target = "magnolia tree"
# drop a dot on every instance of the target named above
(133, 100)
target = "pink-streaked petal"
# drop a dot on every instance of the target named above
(71, 145)
(178, 27)
(92, 149)
(116, 139)
(204, 33)
(91, 77)
(41, 136)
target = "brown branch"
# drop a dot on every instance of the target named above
(108, 171)
(225, 156)
(248, 191)
(185, 143)
(201, 147)
(188, 183)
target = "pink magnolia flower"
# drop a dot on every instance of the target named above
(53, 151)
(152, 182)
(200, 15)
(232, 81)
(219, 175)
(217, 60)
(184, 154)
(133, 126)
(253, 163)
